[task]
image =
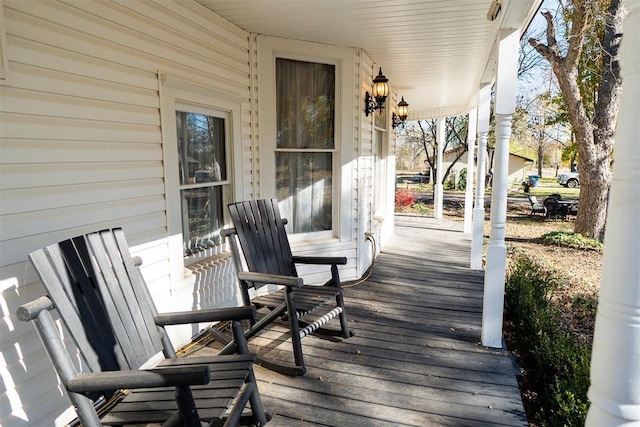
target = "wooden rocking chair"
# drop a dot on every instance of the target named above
(102, 299)
(259, 232)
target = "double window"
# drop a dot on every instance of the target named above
(204, 185)
(305, 143)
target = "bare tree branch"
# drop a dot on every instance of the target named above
(552, 43)
(549, 51)
(577, 35)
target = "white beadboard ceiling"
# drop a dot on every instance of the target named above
(434, 52)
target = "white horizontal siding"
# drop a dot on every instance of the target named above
(81, 149)
(59, 58)
(21, 101)
(49, 81)
(17, 176)
(51, 128)
(34, 151)
(99, 35)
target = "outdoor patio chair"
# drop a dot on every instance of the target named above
(259, 239)
(536, 206)
(554, 209)
(100, 294)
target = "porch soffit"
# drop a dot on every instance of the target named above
(435, 53)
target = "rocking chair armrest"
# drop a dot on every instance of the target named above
(158, 377)
(204, 315)
(324, 260)
(226, 232)
(275, 279)
(30, 310)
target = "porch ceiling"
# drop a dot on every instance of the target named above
(435, 53)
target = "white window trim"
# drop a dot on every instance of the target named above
(4, 59)
(226, 184)
(173, 93)
(270, 48)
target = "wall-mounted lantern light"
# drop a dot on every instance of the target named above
(403, 113)
(380, 91)
(494, 10)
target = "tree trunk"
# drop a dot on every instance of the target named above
(594, 195)
(540, 158)
(597, 179)
(595, 136)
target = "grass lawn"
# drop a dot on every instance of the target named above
(546, 187)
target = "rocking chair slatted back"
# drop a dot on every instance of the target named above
(263, 238)
(76, 272)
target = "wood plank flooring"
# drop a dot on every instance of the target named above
(416, 359)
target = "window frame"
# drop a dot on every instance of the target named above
(176, 93)
(225, 184)
(333, 151)
(4, 59)
(343, 58)
(379, 155)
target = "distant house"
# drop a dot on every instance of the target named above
(518, 165)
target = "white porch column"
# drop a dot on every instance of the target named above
(471, 149)
(438, 188)
(494, 276)
(615, 361)
(477, 239)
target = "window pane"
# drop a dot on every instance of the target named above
(305, 104)
(303, 181)
(201, 148)
(202, 218)
(202, 167)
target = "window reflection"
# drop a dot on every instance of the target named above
(201, 148)
(203, 179)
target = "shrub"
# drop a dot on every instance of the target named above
(462, 183)
(450, 184)
(574, 240)
(404, 200)
(556, 363)
(422, 209)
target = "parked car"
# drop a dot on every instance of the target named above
(412, 179)
(569, 179)
(420, 179)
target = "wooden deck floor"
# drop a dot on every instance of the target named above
(416, 358)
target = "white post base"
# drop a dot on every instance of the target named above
(477, 239)
(493, 298)
(438, 201)
(468, 211)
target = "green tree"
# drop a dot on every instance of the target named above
(584, 60)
